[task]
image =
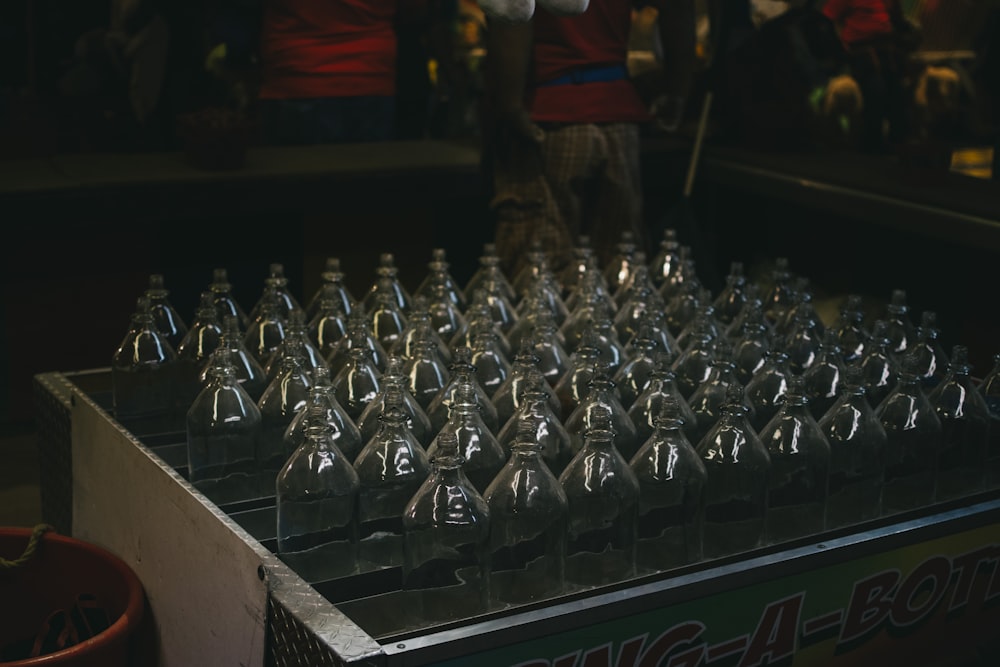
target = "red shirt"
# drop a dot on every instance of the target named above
(859, 20)
(596, 38)
(328, 48)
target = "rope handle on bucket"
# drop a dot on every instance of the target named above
(29, 551)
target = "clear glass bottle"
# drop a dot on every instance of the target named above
(418, 419)
(710, 397)
(672, 481)
(167, 319)
(989, 389)
(573, 386)
(551, 435)
(284, 396)
(603, 495)
(316, 498)
(879, 368)
(529, 514)
(640, 297)
(931, 358)
(780, 293)
(857, 454)
(900, 329)
(144, 375)
(328, 323)
(799, 480)
(913, 448)
(766, 390)
(523, 371)
(297, 335)
(447, 318)
(489, 266)
(602, 395)
(492, 366)
(479, 447)
(666, 261)
(359, 334)
(387, 281)
(426, 373)
(346, 433)
(386, 319)
(391, 467)
(223, 432)
(267, 328)
(823, 378)
(662, 388)
(733, 296)
(802, 342)
(751, 347)
(633, 375)
(446, 541)
(738, 467)
(965, 423)
(619, 268)
(225, 301)
(278, 282)
(249, 372)
(358, 382)
(852, 335)
(418, 326)
(694, 364)
(331, 287)
(462, 370)
(195, 349)
(439, 275)
(553, 359)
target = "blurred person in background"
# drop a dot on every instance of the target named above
(562, 125)
(879, 40)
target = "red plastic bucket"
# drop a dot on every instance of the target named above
(54, 577)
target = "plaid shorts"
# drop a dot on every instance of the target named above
(588, 183)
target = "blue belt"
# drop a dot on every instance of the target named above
(589, 75)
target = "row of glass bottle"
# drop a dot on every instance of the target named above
(755, 529)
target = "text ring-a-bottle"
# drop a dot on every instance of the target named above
(603, 495)
(316, 497)
(391, 468)
(528, 522)
(671, 494)
(223, 432)
(446, 536)
(738, 467)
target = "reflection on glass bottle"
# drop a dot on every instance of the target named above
(799, 480)
(603, 495)
(143, 374)
(316, 497)
(446, 537)
(249, 373)
(296, 334)
(369, 421)
(857, 454)
(765, 392)
(276, 282)
(823, 378)
(852, 336)
(900, 330)
(439, 277)
(267, 327)
(965, 423)
(738, 468)
(913, 448)
(328, 323)
(732, 297)
(476, 443)
(426, 372)
(878, 366)
(166, 317)
(358, 382)
(931, 359)
(344, 431)
(528, 523)
(662, 388)
(391, 467)
(602, 395)
(225, 302)
(359, 334)
(331, 287)
(556, 443)
(672, 481)
(711, 395)
(285, 395)
(462, 370)
(386, 319)
(195, 349)
(223, 431)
